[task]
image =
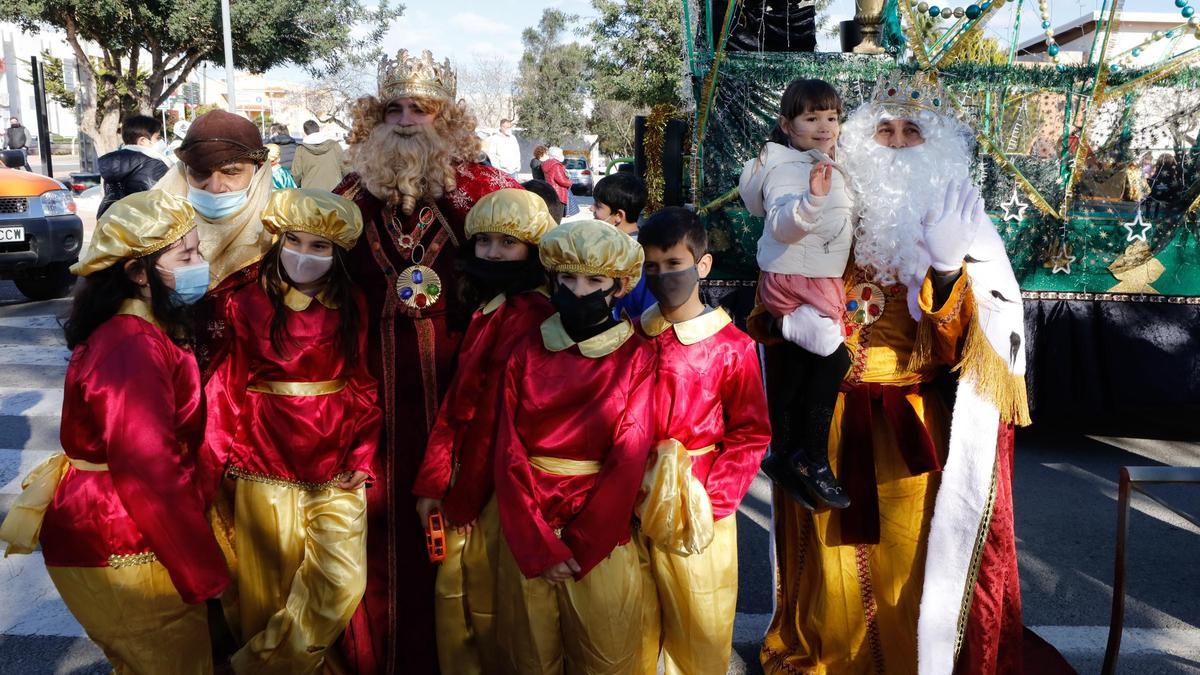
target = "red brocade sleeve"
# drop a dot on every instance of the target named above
(534, 544)
(140, 389)
(604, 521)
(747, 431)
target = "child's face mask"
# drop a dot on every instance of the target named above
(304, 268)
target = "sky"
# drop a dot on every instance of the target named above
(464, 30)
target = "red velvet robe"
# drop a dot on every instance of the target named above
(458, 465)
(563, 403)
(709, 391)
(132, 400)
(305, 439)
(412, 353)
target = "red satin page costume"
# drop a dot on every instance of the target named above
(563, 404)
(458, 465)
(132, 400)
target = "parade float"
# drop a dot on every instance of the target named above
(1088, 161)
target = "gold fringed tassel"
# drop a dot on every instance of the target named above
(922, 351)
(993, 379)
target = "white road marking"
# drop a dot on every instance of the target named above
(16, 464)
(29, 602)
(33, 355)
(22, 402)
(40, 321)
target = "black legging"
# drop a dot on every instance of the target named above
(802, 389)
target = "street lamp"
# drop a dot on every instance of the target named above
(231, 93)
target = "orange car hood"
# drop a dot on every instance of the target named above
(16, 183)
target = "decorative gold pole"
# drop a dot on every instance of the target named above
(869, 15)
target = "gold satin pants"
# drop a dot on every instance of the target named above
(587, 627)
(136, 616)
(302, 570)
(465, 597)
(690, 603)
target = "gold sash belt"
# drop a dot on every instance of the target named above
(675, 511)
(24, 521)
(241, 474)
(559, 466)
(298, 388)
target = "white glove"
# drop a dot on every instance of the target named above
(950, 233)
(812, 332)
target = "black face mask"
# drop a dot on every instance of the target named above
(673, 289)
(505, 276)
(586, 316)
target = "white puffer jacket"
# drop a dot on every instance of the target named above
(803, 234)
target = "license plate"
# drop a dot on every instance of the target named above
(8, 234)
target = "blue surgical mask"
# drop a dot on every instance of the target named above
(216, 207)
(191, 283)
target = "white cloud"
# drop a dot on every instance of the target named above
(478, 24)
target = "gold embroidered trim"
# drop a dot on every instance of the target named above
(131, 559)
(242, 474)
(322, 388)
(964, 609)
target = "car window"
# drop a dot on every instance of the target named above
(575, 163)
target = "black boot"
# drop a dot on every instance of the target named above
(811, 463)
(778, 468)
(778, 462)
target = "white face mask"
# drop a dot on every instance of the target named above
(304, 268)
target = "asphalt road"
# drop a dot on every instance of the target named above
(1064, 489)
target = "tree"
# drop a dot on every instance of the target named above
(612, 122)
(149, 47)
(487, 85)
(638, 57)
(330, 98)
(551, 82)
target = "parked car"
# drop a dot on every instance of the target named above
(580, 174)
(40, 235)
(83, 180)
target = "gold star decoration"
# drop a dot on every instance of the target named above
(1062, 261)
(1014, 203)
(1138, 224)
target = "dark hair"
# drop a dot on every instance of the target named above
(138, 127)
(539, 151)
(622, 191)
(99, 295)
(338, 285)
(671, 225)
(278, 129)
(505, 120)
(803, 96)
(546, 191)
(311, 127)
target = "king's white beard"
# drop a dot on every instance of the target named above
(896, 190)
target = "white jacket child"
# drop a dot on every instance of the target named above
(803, 234)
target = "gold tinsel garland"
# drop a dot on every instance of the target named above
(652, 146)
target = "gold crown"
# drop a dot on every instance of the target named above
(896, 91)
(408, 75)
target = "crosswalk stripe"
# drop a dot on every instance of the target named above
(18, 402)
(38, 321)
(34, 355)
(29, 602)
(16, 464)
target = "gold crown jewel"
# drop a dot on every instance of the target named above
(920, 91)
(408, 75)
